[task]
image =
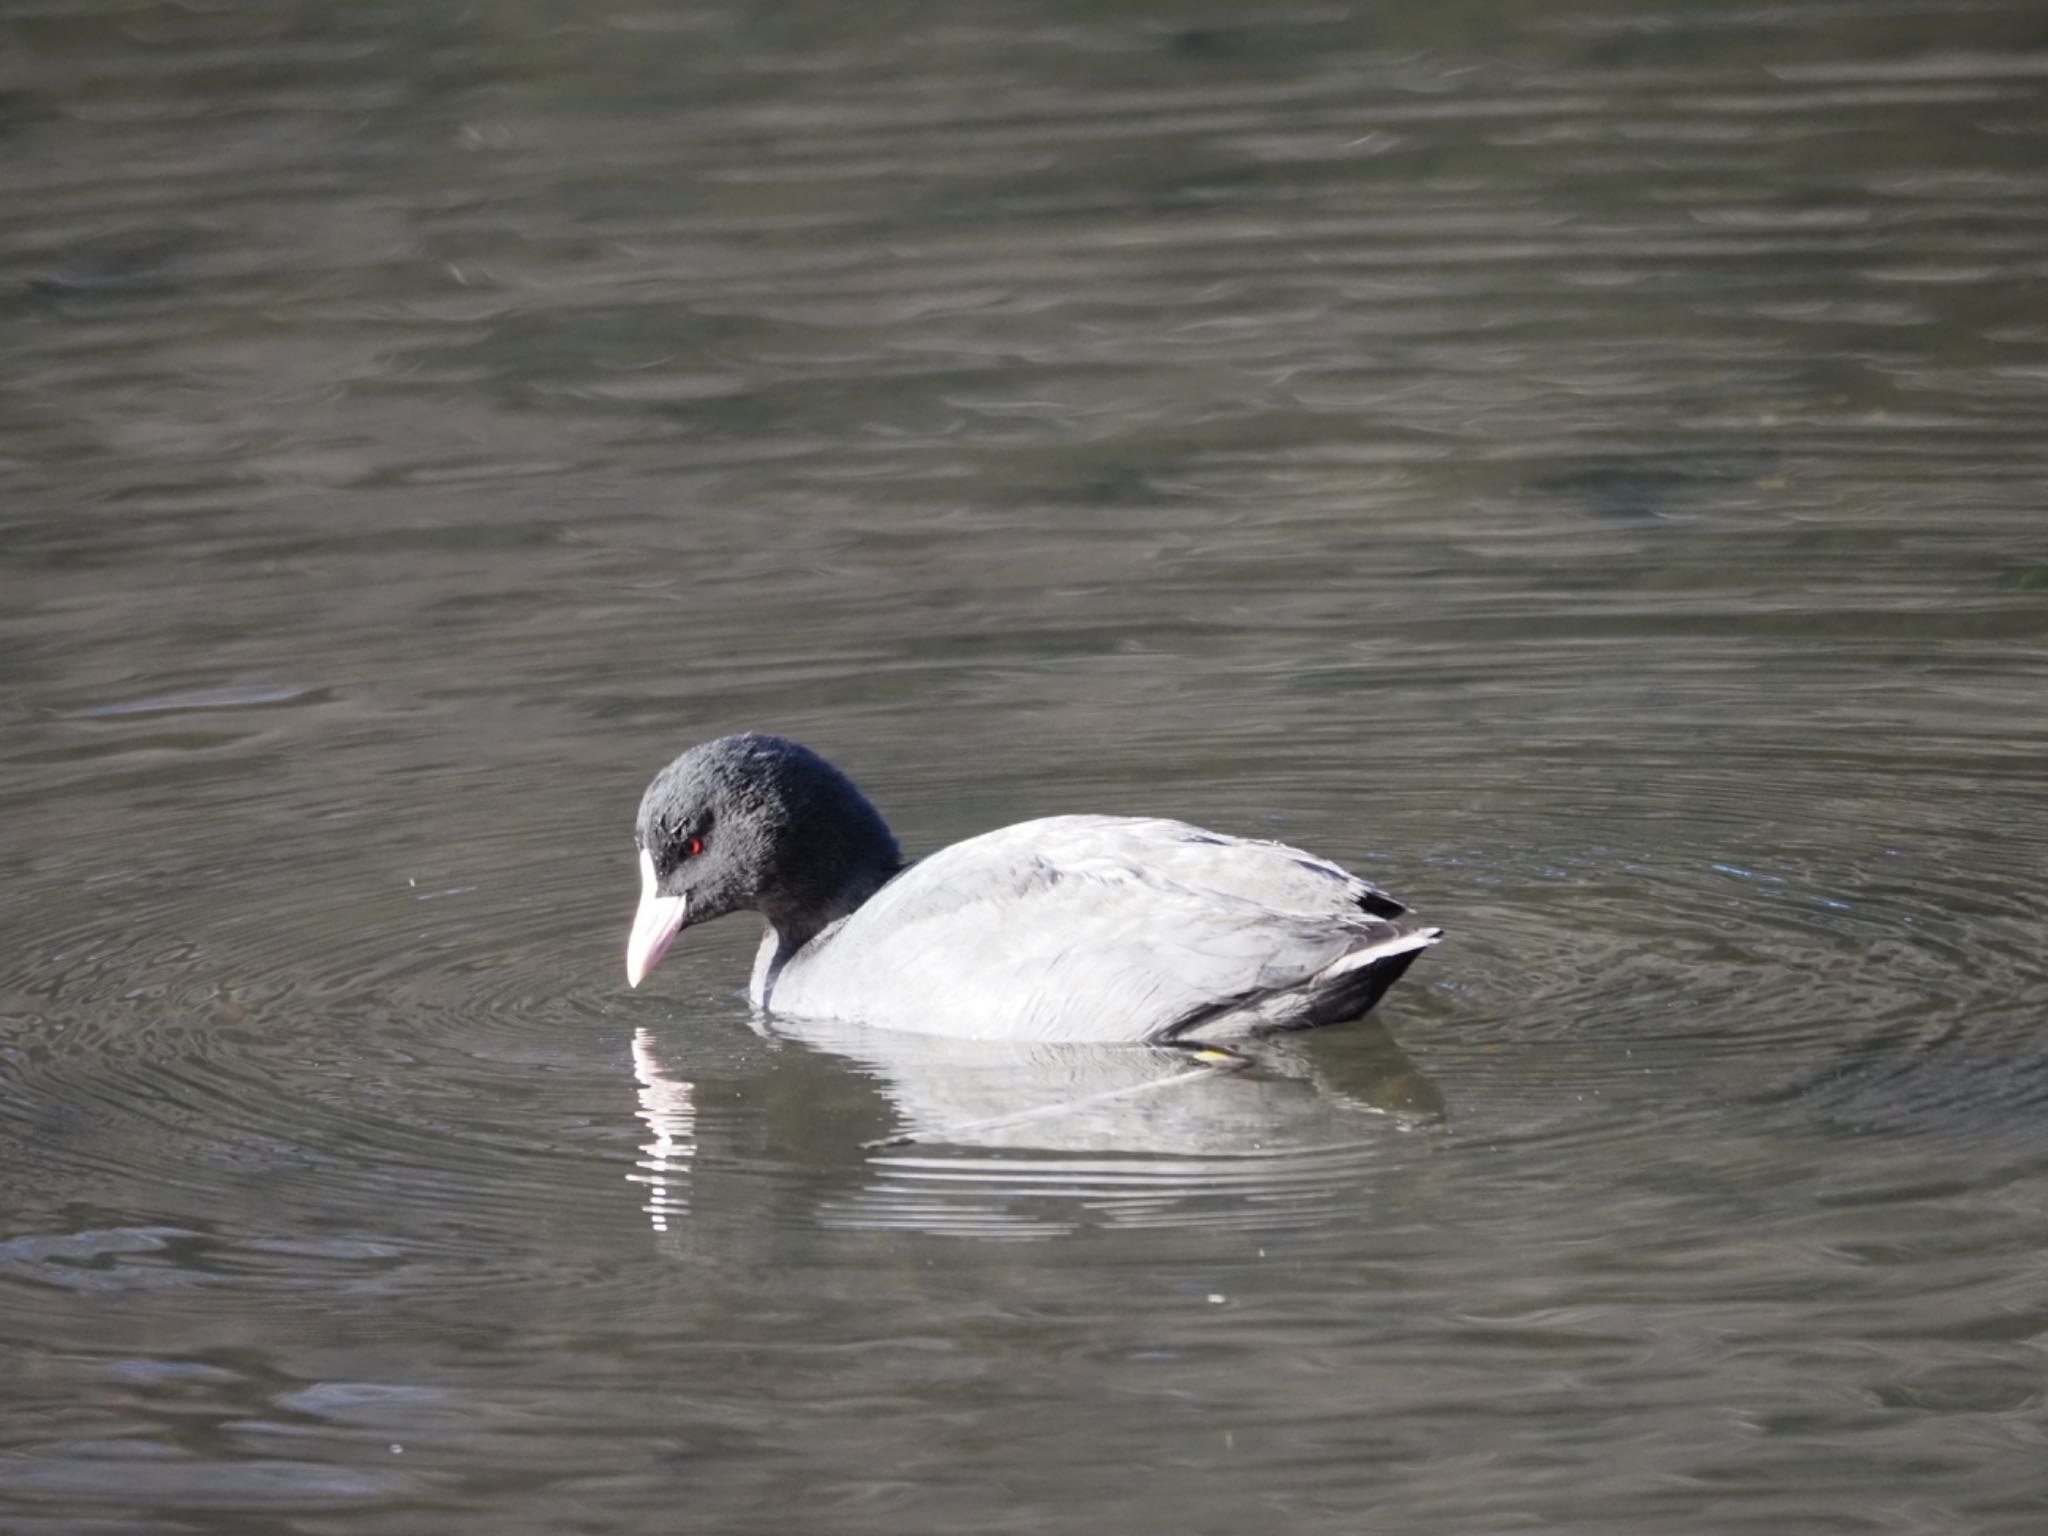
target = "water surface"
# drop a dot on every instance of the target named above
(1585, 471)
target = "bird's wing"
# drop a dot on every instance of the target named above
(1086, 927)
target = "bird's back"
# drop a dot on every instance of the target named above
(1104, 928)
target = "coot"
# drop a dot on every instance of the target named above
(1065, 928)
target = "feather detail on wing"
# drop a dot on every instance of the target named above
(1102, 928)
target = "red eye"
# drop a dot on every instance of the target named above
(693, 847)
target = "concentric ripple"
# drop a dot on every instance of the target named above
(324, 1077)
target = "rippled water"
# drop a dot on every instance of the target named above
(1587, 470)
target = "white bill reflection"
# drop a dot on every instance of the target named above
(669, 1106)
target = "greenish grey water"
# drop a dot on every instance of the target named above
(1586, 468)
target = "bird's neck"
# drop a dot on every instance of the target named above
(769, 960)
(791, 928)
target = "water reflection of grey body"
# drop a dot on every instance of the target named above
(1107, 1133)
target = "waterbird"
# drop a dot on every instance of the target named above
(1103, 928)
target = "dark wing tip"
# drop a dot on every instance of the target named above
(1380, 904)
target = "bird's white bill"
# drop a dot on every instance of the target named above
(658, 921)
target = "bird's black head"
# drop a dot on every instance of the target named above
(752, 823)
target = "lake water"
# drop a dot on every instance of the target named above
(1585, 465)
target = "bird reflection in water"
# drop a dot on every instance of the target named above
(1000, 1139)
